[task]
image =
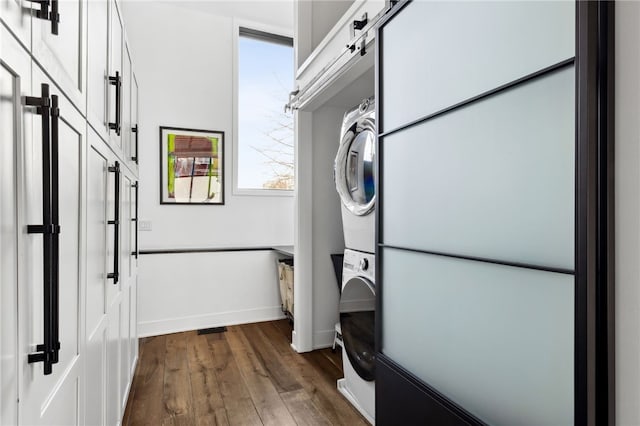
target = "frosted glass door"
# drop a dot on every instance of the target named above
(477, 213)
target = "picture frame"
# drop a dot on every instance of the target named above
(191, 166)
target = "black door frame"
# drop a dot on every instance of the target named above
(402, 398)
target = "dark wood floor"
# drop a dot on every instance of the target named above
(248, 375)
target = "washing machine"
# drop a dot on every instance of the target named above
(357, 327)
(355, 173)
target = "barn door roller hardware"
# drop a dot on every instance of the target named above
(359, 25)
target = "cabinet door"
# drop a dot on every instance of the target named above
(125, 255)
(16, 15)
(63, 54)
(124, 349)
(53, 398)
(115, 66)
(113, 292)
(126, 105)
(133, 277)
(15, 81)
(98, 161)
(135, 154)
(97, 65)
(133, 325)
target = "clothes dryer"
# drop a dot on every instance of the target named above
(355, 174)
(357, 324)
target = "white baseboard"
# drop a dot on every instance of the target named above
(323, 339)
(344, 390)
(176, 325)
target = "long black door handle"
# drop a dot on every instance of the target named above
(55, 220)
(134, 129)
(115, 275)
(47, 108)
(135, 219)
(117, 82)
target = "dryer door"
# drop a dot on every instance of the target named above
(357, 321)
(355, 167)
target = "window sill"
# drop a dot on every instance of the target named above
(264, 192)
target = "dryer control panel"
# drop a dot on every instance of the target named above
(359, 263)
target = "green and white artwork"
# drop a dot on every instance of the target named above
(191, 166)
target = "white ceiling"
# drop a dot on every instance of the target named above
(277, 13)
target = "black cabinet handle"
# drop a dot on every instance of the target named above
(115, 276)
(54, 16)
(135, 219)
(44, 13)
(117, 82)
(134, 129)
(55, 219)
(47, 108)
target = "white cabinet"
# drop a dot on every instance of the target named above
(47, 184)
(135, 132)
(98, 65)
(111, 280)
(98, 162)
(116, 75)
(60, 47)
(68, 267)
(17, 17)
(15, 82)
(127, 73)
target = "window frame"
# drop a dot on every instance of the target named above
(279, 36)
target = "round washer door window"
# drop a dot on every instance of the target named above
(357, 321)
(355, 168)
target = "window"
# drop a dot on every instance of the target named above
(264, 152)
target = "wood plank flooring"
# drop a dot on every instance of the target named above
(248, 375)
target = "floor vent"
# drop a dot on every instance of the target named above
(212, 330)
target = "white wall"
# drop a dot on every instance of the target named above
(188, 291)
(184, 67)
(328, 237)
(627, 216)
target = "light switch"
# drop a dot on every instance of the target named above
(145, 225)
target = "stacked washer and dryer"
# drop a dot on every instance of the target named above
(355, 171)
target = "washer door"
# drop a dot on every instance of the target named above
(357, 321)
(355, 167)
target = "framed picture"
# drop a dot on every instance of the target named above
(191, 166)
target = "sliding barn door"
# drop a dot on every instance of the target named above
(488, 213)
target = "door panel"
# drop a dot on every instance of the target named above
(96, 233)
(480, 212)
(63, 55)
(480, 323)
(113, 365)
(98, 186)
(133, 324)
(125, 229)
(492, 207)
(112, 288)
(15, 81)
(16, 15)
(115, 65)
(96, 375)
(525, 37)
(39, 390)
(97, 65)
(134, 120)
(124, 347)
(126, 103)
